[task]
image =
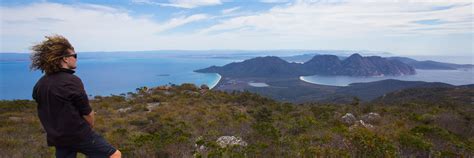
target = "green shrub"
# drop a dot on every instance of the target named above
(323, 112)
(139, 122)
(302, 124)
(168, 133)
(340, 129)
(438, 133)
(368, 144)
(319, 151)
(414, 141)
(16, 105)
(263, 115)
(434, 131)
(267, 130)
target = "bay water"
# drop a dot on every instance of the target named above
(117, 73)
(112, 76)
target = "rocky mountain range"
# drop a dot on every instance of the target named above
(417, 64)
(355, 65)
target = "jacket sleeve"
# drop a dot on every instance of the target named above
(78, 96)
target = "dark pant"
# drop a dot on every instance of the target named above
(94, 147)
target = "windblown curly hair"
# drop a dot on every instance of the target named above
(47, 55)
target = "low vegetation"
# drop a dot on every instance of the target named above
(187, 121)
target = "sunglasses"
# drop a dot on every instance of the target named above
(73, 55)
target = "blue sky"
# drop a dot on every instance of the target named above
(404, 27)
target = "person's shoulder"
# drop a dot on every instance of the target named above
(67, 77)
(74, 78)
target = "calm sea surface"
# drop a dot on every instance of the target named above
(112, 76)
(454, 77)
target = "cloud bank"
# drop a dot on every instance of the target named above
(403, 27)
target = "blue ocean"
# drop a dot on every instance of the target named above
(106, 75)
(121, 72)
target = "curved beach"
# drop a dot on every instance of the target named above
(302, 79)
(217, 82)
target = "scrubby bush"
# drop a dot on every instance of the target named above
(369, 144)
(184, 118)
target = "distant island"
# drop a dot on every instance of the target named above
(355, 65)
(279, 79)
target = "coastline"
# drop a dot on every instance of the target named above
(216, 83)
(302, 79)
(307, 81)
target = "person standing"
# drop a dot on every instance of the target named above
(63, 106)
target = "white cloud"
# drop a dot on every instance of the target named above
(397, 27)
(89, 27)
(230, 10)
(305, 18)
(182, 3)
(353, 25)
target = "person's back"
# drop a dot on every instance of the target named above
(63, 106)
(60, 95)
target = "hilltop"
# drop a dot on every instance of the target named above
(187, 121)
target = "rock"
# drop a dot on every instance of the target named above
(366, 125)
(151, 106)
(153, 103)
(124, 110)
(361, 123)
(204, 86)
(371, 118)
(348, 119)
(192, 93)
(168, 93)
(225, 141)
(164, 88)
(200, 145)
(200, 148)
(15, 119)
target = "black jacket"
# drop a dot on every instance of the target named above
(62, 101)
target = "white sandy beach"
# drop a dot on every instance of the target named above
(217, 82)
